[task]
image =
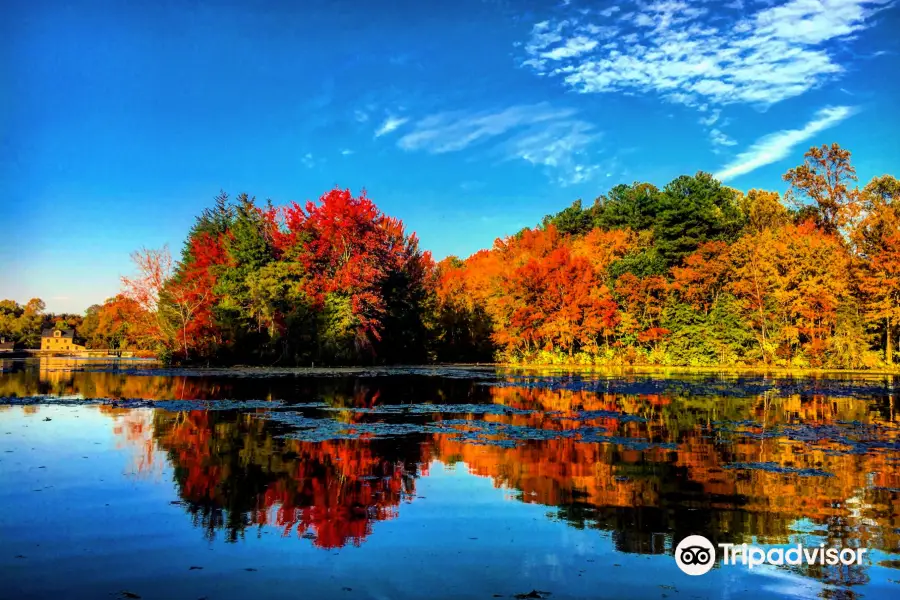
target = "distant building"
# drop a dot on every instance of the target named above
(60, 340)
(6, 345)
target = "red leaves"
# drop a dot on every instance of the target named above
(349, 247)
(334, 489)
(192, 293)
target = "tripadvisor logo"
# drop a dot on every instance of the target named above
(695, 555)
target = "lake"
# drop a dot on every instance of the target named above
(127, 480)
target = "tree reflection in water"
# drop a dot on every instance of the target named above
(810, 466)
(234, 474)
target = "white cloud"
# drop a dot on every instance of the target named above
(560, 146)
(538, 134)
(346, 152)
(452, 131)
(761, 55)
(776, 146)
(308, 160)
(711, 119)
(573, 47)
(719, 138)
(390, 124)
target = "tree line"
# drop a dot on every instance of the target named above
(22, 324)
(697, 273)
(694, 273)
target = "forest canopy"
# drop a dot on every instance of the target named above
(693, 273)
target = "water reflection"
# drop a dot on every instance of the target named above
(233, 474)
(744, 483)
(771, 467)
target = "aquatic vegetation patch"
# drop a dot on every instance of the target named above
(448, 372)
(701, 386)
(475, 431)
(590, 415)
(310, 429)
(513, 432)
(422, 409)
(858, 438)
(776, 468)
(168, 405)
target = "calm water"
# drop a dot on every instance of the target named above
(436, 483)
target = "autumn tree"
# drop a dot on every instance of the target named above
(825, 179)
(877, 240)
(463, 325)
(118, 323)
(22, 324)
(363, 270)
(643, 301)
(168, 305)
(763, 210)
(703, 276)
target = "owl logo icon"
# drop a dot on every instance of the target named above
(695, 555)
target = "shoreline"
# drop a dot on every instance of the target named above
(534, 367)
(704, 369)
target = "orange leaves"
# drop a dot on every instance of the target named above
(790, 282)
(877, 240)
(703, 275)
(643, 300)
(529, 244)
(825, 178)
(123, 323)
(601, 248)
(654, 334)
(813, 279)
(542, 290)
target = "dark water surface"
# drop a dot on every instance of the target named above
(120, 480)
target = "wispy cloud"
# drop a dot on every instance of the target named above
(308, 160)
(710, 119)
(539, 134)
(346, 152)
(776, 146)
(452, 131)
(719, 138)
(390, 124)
(560, 146)
(574, 46)
(766, 52)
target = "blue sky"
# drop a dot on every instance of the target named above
(467, 119)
